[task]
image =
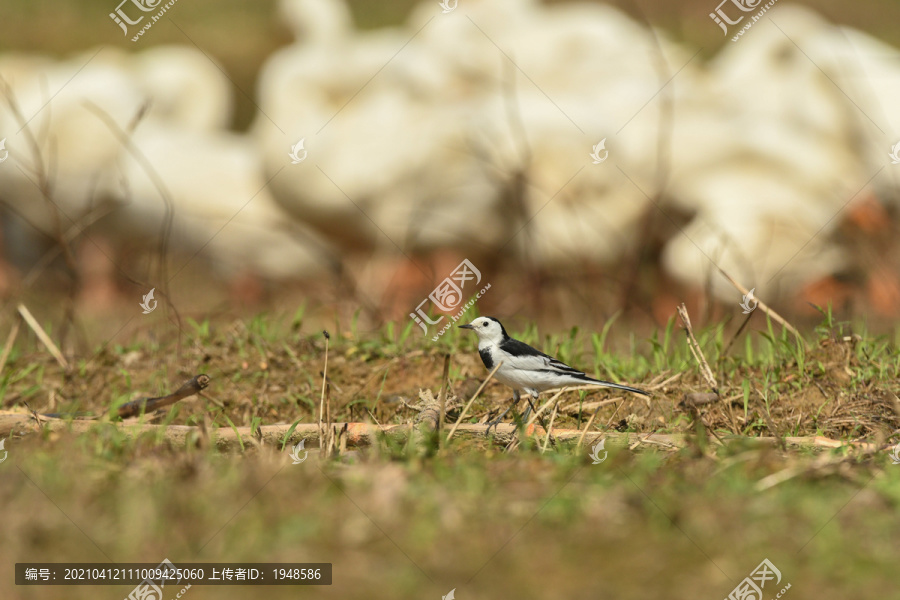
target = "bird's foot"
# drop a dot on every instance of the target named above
(496, 422)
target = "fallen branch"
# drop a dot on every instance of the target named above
(194, 386)
(356, 434)
(367, 434)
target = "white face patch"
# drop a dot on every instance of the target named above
(488, 330)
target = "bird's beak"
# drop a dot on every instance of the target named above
(467, 326)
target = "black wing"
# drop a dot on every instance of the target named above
(519, 349)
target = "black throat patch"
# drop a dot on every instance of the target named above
(486, 357)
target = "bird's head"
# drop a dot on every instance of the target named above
(487, 328)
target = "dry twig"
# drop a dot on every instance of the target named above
(550, 428)
(705, 371)
(762, 305)
(472, 399)
(7, 348)
(442, 395)
(42, 335)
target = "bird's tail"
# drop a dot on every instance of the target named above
(610, 384)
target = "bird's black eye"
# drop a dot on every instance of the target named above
(484, 324)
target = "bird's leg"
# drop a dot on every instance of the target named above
(527, 412)
(499, 419)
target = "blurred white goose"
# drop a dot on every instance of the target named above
(381, 144)
(184, 87)
(172, 85)
(221, 206)
(183, 101)
(75, 147)
(868, 70)
(770, 165)
(595, 68)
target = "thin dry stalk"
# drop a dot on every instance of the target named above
(705, 371)
(42, 335)
(7, 348)
(537, 413)
(736, 334)
(663, 384)
(329, 429)
(73, 232)
(324, 383)
(125, 138)
(586, 427)
(472, 399)
(442, 395)
(40, 171)
(550, 429)
(762, 305)
(36, 416)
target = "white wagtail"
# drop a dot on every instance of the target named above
(526, 369)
